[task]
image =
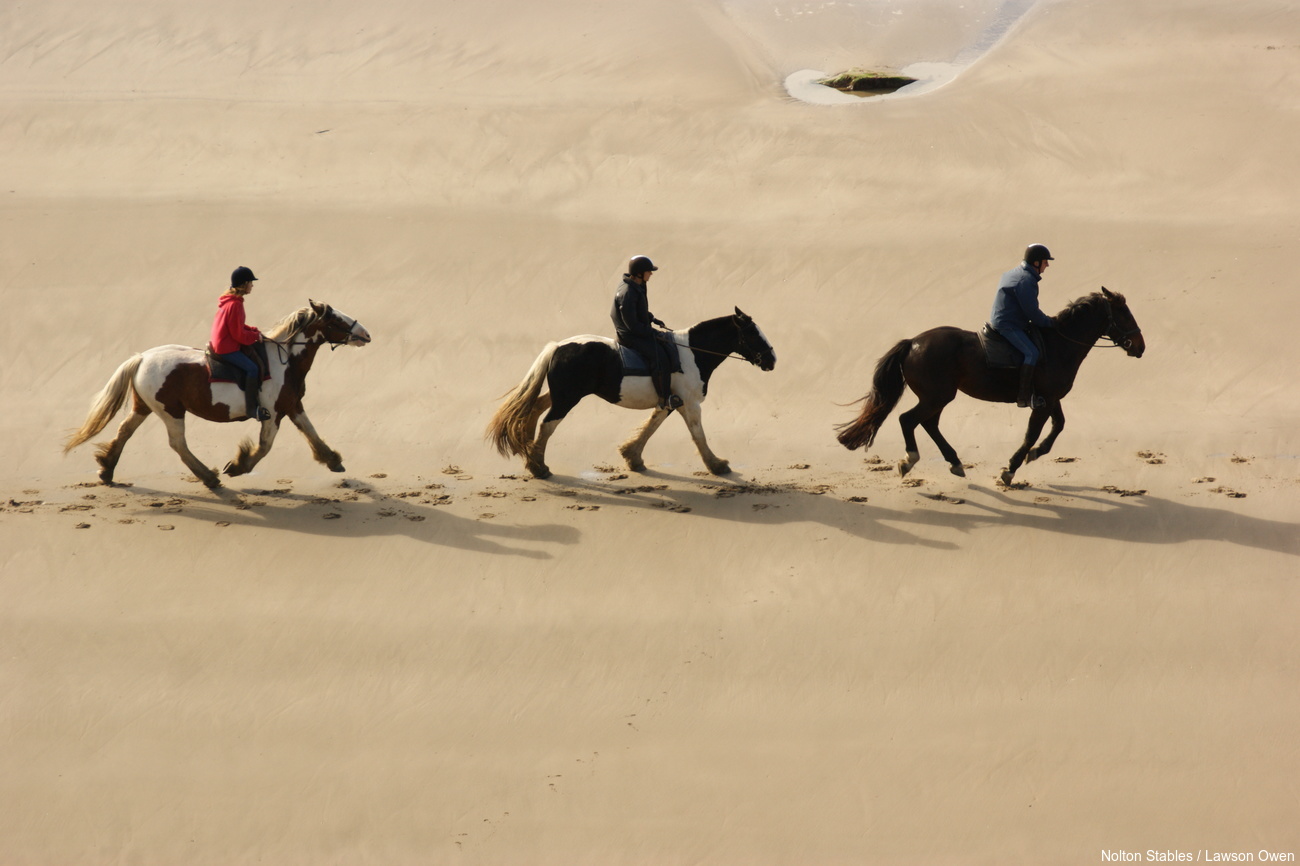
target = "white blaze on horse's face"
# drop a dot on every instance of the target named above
(358, 335)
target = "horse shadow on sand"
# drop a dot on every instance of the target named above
(1068, 509)
(362, 513)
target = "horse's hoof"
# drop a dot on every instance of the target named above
(106, 476)
(1006, 477)
(540, 471)
(337, 467)
(1033, 455)
(722, 467)
(903, 468)
(211, 483)
(957, 469)
(636, 465)
(231, 469)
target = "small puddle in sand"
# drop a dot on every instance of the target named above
(930, 74)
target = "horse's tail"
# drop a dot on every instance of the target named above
(107, 402)
(513, 426)
(886, 388)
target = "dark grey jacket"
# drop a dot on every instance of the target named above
(1016, 303)
(631, 314)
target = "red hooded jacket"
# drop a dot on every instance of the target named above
(228, 330)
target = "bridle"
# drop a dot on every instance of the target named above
(284, 347)
(1121, 342)
(719, 354)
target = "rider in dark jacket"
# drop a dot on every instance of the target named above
(1015, 308)
(633, 324)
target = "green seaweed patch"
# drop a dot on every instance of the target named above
(865, 82)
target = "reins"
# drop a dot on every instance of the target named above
(1114, 343)
(284, 347)
(705, 351)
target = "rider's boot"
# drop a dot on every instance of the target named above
(252, 405)
(1026, 385)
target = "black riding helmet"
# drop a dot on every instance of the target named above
(240, 276)
(639, 265)
(1037, 253)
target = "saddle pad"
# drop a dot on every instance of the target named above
(635, 364)
(222, 371)
(998, 353)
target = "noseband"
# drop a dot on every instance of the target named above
(283, 347)
(1120, 342)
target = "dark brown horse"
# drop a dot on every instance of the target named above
(940, 362)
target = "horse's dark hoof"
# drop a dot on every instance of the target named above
(1033, 455)
(1006, 477)
(956, 469)
(231, 469)
(903, 468)
(542, 472)
(337, 467)
(722, 467)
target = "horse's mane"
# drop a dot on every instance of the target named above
(291, 324)
(1084, 304)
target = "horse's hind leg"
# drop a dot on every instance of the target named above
(635, 444)
(110, 452)
(922, 412)
(1037, 418)
(322, 452)
(1058, 424)
(949, 453)
(247, 456)
(535, 458)
(176, 438)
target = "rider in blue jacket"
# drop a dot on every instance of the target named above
(1015, 308)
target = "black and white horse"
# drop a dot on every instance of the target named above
(578, 366)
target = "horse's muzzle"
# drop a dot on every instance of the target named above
(1135, 347)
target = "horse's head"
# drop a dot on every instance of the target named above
(753, 345)
(1122, 328)
(333, 327)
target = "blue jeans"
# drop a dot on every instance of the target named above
(1021, 341)
(247, 364)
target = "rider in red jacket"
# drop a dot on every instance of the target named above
(230, 334)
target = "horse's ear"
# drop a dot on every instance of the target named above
(740, 313)
(315, 306)
(1107, 292)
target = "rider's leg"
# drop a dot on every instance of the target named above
(252, 379)
(1021, 341)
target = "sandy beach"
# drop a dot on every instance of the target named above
(433, 657)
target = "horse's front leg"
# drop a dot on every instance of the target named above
(691, 415)
(247, 456)
(1037, 418)
(1058, 424)
(322, 452)
(176, 438)
(632, 448)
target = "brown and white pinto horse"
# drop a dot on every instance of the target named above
(172, 380)
(942, 361)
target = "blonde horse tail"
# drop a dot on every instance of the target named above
(513, 427)
(107, 402)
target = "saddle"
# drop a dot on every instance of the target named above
(222, 371)
(636, 364)
(999, 354)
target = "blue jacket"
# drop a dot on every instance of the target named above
(1016, 304)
